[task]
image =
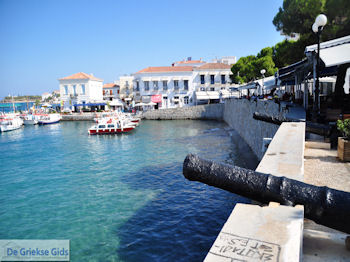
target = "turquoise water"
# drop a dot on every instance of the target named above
(117, 198)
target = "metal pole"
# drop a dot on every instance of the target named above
(317, 86)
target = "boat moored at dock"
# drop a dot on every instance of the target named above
(47, 119)
(10, 122)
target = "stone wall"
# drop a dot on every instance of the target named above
(212, 111)
(238, 114)
(79, 117)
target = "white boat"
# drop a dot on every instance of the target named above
(9, 123)
(111, 126)
(30, 119)
(47, 119)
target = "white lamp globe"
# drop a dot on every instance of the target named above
(315, 28)
(321, 20)
(262, 71)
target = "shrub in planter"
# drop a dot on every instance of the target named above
(344, 142)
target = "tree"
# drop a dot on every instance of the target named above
(298, 16)
(248, 68)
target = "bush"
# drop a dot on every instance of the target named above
(344, 127)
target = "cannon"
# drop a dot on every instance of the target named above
(311, 127)
(326, 206)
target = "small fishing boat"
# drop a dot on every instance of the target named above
(111, 126)
(47, 119)
(30, 119)
(9, 123)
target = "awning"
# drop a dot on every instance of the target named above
(336, 55)
(333, 52)
(116, 103)
(156, 98)
(146, 99)
(127, 99)
(200, 95)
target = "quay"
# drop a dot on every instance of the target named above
(281, 232)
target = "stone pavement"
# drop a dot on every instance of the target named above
(323, 168)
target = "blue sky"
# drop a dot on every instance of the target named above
(42, 41)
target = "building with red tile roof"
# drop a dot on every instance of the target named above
(79, 89)
(177, 85)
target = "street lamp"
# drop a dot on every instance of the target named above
(262, 72)
(317, 27)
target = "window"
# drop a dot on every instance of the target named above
(212, 89)
(155, 85)
(176, 84)
(202, 80)
(223, 79)
(102, 126)
(83, 89)
(202, 88)
(74, 90)
(111, 92)
(186, 100)
(146, 83)
(212, 79)
(186, 84)
(137, 86)
(66, 90)
(126, 84)
(165, 85)
(110, 126)
(165, 97)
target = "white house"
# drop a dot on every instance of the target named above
(45, 96)
(80, 90)
(126, 88)
(110, 91)
(211, 82)
(185, 83)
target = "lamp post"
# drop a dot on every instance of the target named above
(262, 72)
(317, 28)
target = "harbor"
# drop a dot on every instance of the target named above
(175, 131)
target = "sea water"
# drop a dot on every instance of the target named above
(115, 197)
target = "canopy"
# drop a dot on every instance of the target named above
(156, 98)
(333, 52)
(202, 95)
(140, 104)
(46, 105)
(116, 103)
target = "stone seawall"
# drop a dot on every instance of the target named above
(212, 111)
(238, 114)
(79, 117)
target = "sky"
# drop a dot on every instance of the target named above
(44, 40)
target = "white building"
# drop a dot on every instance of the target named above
(185, 83)
(110, 91)
(45, 96)
(80, 90)
(126, 88)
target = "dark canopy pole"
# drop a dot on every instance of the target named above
(317, 85)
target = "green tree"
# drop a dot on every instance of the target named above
(248, 68)
(298, 16)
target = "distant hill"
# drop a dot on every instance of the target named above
(9, 99)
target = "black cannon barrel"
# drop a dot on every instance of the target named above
(326, 206)
(311, 127)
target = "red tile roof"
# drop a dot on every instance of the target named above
(81, 75)
(215, 66)
(159, 69)
(109, 85)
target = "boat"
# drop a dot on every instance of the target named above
(111, 126)
(47, 119)
(30, 119)
(10, 122)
